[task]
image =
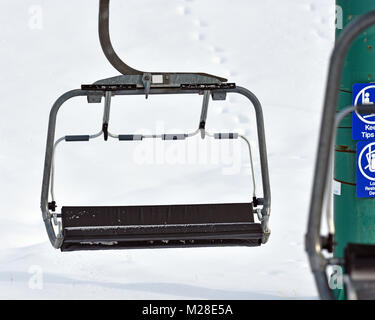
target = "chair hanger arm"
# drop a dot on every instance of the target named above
(121, 66)
(105, 42)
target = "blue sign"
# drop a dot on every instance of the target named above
(366, 169)
(363, 124)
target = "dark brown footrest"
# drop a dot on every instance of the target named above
(87, 228)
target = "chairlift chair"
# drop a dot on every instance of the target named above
(156, 226)
(358, 262)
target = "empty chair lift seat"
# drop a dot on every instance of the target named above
(156, 226)
(93, 228)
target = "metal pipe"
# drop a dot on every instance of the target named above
(105, 42)
(266, 211)
(204, 112)
(251, 164)
(57, 241)
(107, 107)
(114, 59)
(328, 196)
(52, 181)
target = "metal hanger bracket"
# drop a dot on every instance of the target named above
(145, 80)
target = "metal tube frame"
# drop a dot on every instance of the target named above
(115, 60)
(48, 217)
(313, 238)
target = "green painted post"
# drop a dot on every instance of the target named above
(354, 218)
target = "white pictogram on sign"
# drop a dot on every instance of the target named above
(365, 98)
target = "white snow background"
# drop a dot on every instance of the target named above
(277, 49)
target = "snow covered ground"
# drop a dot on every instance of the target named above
(277, 49)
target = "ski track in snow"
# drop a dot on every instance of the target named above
(199, 26)
(279, 50)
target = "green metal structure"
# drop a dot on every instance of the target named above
(354, 217)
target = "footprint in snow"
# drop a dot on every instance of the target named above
(184, 11)
(200, 23)
(218, 60)
(242, 119)
(198, 36)
(312, 7)
(224, 110)
(216, 50)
